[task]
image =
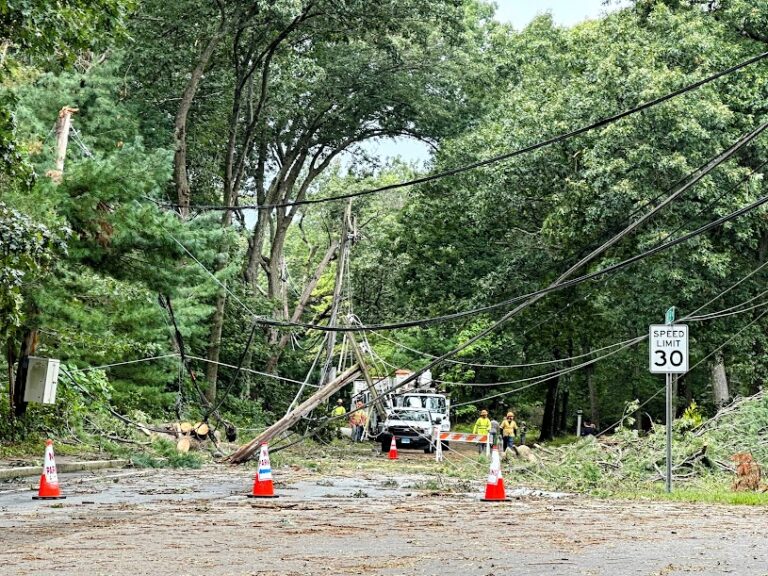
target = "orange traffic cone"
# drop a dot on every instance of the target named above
(494, 488)
(393, 449)
(49, 480)
(262, 484)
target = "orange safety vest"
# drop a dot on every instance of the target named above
(358, 418)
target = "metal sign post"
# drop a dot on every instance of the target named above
(668, 354)
(668, 418)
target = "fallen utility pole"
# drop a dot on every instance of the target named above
(246, 452)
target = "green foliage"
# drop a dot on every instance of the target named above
(691, 418)
(87, 396)
(443, 72)
(627, 462)
(27, 248)
(98, 302)
(510, 228)
(39, 34)
(41, 29)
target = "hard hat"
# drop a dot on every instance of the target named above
(483, 412)
(339, 401)
(510, 415)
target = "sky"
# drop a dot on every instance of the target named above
(565, 12)
(518, 13)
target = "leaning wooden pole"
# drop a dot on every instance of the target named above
(63, 126)
(247, 451)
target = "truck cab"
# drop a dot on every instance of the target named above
(411, 428)
(389, 395)
(438, 406)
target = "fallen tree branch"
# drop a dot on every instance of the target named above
(732, 407)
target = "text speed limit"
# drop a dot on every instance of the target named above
(668, 347)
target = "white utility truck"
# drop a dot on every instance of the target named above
(420, 396)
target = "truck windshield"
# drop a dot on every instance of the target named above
(412, 415)
(431, 403)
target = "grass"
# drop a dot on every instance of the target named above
(34, 449)
(162, 454)
(26, 449)
(693, 495)
(143, 460)
(556, 442)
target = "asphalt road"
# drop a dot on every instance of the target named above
(192, 522)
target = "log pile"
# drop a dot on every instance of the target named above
(188, 435)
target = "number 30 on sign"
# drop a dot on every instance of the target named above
(668, 347)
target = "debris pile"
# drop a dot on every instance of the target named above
(727, 449)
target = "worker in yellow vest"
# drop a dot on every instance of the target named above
(357, 420)
(337, 413)
(482, 426)
(508, 431)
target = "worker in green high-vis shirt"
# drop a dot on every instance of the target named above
(482, 426)
(337, 414)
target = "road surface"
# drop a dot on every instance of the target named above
(198, 522)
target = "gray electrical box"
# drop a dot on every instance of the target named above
(42, 379)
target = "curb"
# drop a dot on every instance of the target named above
(20, 471)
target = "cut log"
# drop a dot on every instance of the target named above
(186, 427)
(246, 452)
(200, 430)
(182, 446)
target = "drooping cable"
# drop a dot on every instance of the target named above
(507, 155)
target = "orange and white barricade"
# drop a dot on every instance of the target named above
(462, 437)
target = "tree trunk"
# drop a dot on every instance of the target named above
(719, 381)
(214, 346)
(302, 304)
(589, 376)
(594, 406)
(762, 250)
(10, 358)
(684, 390)
(255, 259)
(246, 452)
(563, 426)
(550, 409)
(28, 347)
(180, 178)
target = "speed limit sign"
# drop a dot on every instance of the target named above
(668, 347)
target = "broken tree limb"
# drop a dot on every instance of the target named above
(246, 452)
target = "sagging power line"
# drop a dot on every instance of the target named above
(501, 157)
